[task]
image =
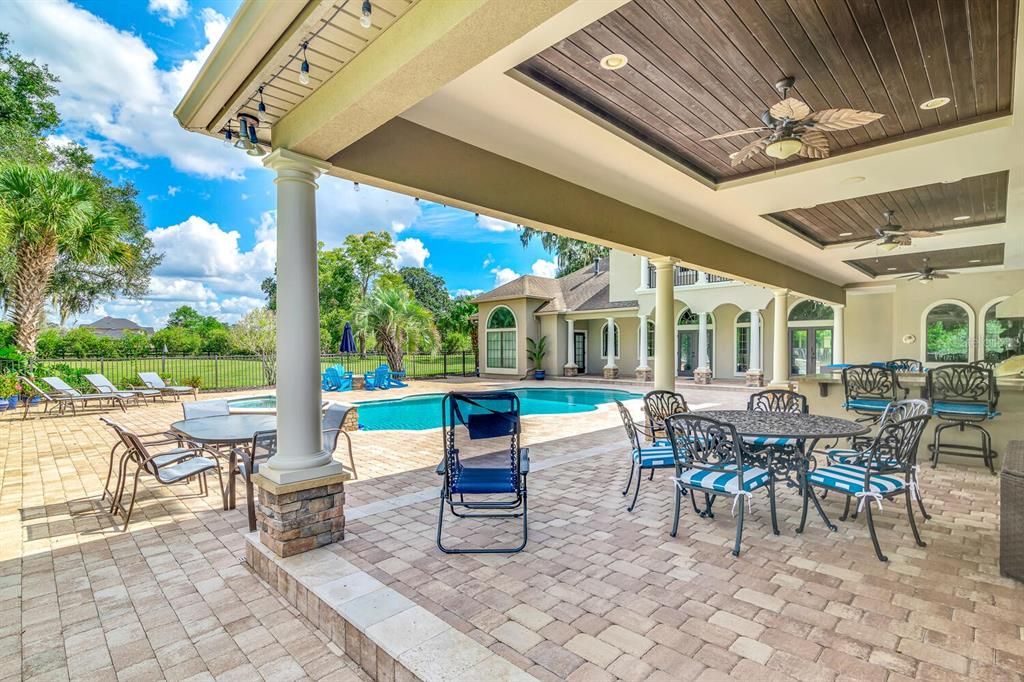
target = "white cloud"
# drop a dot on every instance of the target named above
(343, 211)
(172, 190)
(169, 11)
(544, 268)
(411, 253)
(467, 292)
(113, 96)
(503, 275)
(490, 224)
(488, 261)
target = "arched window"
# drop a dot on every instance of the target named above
(604, 340)
(1000, 339)
(809, 310)
(947, 332)
(742, 348)
(687, 317)
(501, 339)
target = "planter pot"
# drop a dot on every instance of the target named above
(3, 405)
(12, 402)
(34, 400)
(538, 374)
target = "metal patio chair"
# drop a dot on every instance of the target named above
(868, 390)
(333, 421)
(905, 365)
(485, 415)
(657, 455)
(197, 409)
(963, 397)
(709, 458)
(887, 472)
(248, 459)
(659, 406)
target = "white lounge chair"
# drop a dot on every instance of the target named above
(73, 395)
(104, 385)
(153, 380)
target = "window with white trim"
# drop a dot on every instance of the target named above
(604, 340)
(501, 339)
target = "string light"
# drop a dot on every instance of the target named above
(366, 21)
(262, 107)
(355, 186)
(304, 69)
(228, 137)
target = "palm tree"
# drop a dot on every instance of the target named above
(46, 215)
(398, 323)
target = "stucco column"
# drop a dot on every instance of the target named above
(570, 368)
(664, 327)
(643, 369)
(611, 370)
(780, 339)
(702, 374)
(645, 266)
(838, 334)
(755, 373)
(300, 454)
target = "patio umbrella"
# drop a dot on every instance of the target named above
(348, 342)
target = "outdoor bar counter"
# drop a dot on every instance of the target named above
(825, 396)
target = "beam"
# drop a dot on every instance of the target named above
(429, 46)
(409, 158)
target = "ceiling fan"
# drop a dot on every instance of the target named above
(791, 128)
(892, 234)
(926, 274)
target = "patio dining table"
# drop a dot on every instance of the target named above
(797, 459)
(230, 430)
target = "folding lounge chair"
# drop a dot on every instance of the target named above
(74, 395)
(153, 380)
(485, 415)
(104, 385)
(48, 398)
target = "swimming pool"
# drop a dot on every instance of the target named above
(419, 412)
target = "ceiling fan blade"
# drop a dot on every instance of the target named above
(864, 243)
(812, 138)
(913, 275)
(941, 275)
(922, 234)
(735, 133)
(790, 108)
(812, 152)
(903, 240)
(746, 152)
(842, 119)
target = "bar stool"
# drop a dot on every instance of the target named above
(964, 397)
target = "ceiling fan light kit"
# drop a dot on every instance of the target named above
(783, 149)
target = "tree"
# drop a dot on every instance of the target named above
(26, 111)
(457, 321)
(372, 254)
(46, 215)
(428, 288)
(571, 254)
(257, 333)
(397, 322)
(269, 288)
(177, 340)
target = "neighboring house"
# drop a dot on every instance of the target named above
(948, 321)
(115, 327)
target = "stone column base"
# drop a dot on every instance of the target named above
(571, 370)
(296, 517)
(644, 374)
(754, 378)
(611, 372)
(701, 376)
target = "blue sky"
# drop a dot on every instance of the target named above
(210, 209)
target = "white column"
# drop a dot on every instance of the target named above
(755, 341)
(780, 339)
(570, 353)
(645, 266)
(703, 362)
(664, 327)
(610, 361)
(643, 342)
(702, 277)
(300, 455)
(838, 331)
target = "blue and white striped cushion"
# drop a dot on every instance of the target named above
(655, 456)
(850, 478)
(725, 481)
(848, 456)
(967, 409)
(765, 441)
(867, 404)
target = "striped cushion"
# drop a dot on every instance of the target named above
(848, 456)
(655, 456)
(850, 478)
(765, 441)
(867, 404)
(967, 409)
(725, 481)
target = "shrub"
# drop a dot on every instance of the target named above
(195, 382)
(73, 376)
(9, 386)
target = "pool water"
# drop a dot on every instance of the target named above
(266, 402)
(419, 412)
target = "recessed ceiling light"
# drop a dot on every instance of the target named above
(890, 269)
(976, 260)
(845, 234)
(613, 62)
(962, 217)
(853, 180)
(935, 103)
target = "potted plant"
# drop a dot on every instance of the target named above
(9, 389)
(195, 382)
(535, 352)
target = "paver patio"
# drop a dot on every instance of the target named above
(599, 593)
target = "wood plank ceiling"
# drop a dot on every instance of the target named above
(703, 67)
(944, 259)
(978, 200)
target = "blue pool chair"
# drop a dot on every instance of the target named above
(396, 379)
(963, 397)
(336, 379)
(379, 378)
(488, 414)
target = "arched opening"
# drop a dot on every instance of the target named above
(810, 337)
(501, 356)
(688, 342)
(742, 348)
(1000, 339)
(948, 327)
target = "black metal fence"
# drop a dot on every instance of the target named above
(247, 371)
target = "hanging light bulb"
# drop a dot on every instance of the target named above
(262, 107)
(304, 69)
(355, 186)
(228, 137)
(366, 21)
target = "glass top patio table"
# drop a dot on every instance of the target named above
(228, 429)
(787, 424)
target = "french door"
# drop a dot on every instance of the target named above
(810, 348)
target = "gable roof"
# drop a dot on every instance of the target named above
(584, 289)
(109, 322)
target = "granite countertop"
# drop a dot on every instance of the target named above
(1014, 383)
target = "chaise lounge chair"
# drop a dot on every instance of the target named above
(74, 395)
(104, 385)
(153, 380)
(48, 398)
